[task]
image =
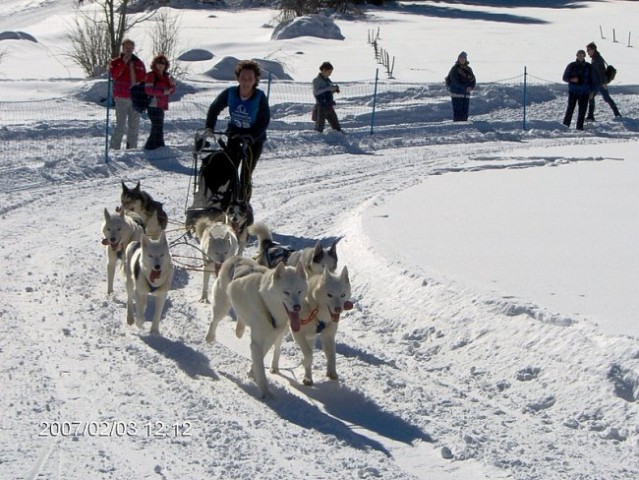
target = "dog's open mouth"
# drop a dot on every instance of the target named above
(335, 315)
(155, 274)
(114, 245)
(217, 268)
(294, 318)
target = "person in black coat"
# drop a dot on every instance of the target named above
(601, 82)
(579, 76)
(460, 82)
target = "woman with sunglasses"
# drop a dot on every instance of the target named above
(159, 84)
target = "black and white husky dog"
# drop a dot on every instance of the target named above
(149, 271)
(137, 200)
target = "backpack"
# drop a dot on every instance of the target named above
(611, 72)
(139, 98)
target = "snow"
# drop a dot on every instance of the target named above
(494, 269)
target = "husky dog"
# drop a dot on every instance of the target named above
(232, 269)
(328, 296)
(315, 258)
(240, 217)
(140, 202)
(149, 271)
(270, 253)
(217, 243)
(266, 300)
(118, 231)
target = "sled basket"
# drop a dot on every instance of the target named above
(216, 175)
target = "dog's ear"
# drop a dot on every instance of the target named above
(107, 216)
(299, 270)
(344, 275)
(137, 186)
(144, 240)
(333, 250)
(279, 271)
(124, 187)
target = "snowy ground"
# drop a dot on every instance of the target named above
(443, 373)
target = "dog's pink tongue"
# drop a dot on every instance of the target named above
(155, 274)
(335, 317)
(294, 318)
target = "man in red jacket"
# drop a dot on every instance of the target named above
(126, 70)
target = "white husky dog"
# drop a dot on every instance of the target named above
(329, 294)
(118, 231)
(149, 271)
(217, 243)
(266, 300)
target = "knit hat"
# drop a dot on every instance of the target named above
(581, 52)
(326, 66)
(463, 54)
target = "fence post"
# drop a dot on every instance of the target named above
(106, 128)
(614, 36)
(601, 32)
(525, 97)
(629, 38)
(374, 99)
(268, 86)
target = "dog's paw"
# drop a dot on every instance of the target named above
(332, 375)
(129, 319)
(205, 300)
(307, 381)
(155, 331)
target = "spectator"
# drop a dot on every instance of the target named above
(249, 116)
(159, 84)
(323, 91)
(460, 82)
(579, 76)
(126, 70)
(600, 82)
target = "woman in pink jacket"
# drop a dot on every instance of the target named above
(159, 84)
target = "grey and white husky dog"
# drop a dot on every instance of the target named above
(270, 253)
(137, 200)
(218, 242)
(118, 230)
(149, 271)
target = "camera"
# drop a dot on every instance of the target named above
(336, 88)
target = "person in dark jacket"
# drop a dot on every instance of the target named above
(579, 77)
(249, 114)
(323, 91)
(460, 82)
(601, 82)
(159, 84)
(126, 70)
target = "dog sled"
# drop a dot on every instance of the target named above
(221, 174)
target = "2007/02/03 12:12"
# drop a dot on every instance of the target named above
(115, 428)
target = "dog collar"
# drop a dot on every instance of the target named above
(311, 317)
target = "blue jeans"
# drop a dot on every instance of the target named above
(606, 98)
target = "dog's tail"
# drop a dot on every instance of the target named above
(262, 232)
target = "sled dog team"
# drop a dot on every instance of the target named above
(280, 290)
